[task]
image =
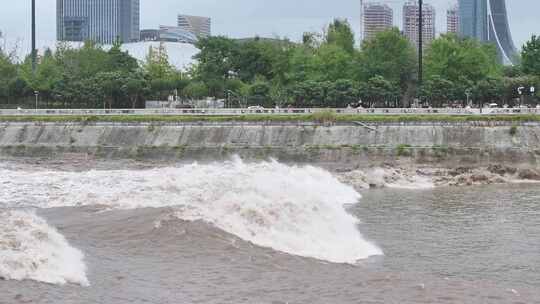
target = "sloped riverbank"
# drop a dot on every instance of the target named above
(356, 144)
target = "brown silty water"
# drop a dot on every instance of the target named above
(235, 232)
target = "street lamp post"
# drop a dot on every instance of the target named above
(520, 92)
(420, 40)
(533, 90)
(34, 51)
(36, 93)
(468, 94)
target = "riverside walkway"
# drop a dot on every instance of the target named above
(261, 111)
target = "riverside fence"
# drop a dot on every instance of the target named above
(260, 111)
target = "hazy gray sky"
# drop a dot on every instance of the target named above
(241, 18)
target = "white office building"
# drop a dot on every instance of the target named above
(199, 26)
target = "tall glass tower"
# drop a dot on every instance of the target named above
(103, 21)
(473, 16)
(487, 21)
(499, 31)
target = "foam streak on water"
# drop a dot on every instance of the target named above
(297, 210)
(32, 250)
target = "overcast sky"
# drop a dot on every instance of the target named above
(243, 18)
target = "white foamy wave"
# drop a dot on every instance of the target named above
(297, 210)
(387, 177)
(32, 250)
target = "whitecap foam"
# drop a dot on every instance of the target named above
(297, 210)
(32, 250)
(386, 177)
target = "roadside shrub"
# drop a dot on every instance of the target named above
(513, 130)
(404, 150)
(326, 116)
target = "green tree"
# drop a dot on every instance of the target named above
(48, 74)
(309, 93)
(85, 62)
(216, 58)
(389, 55)
(438, 90)
(379, 92)
(119, 60)
(260, 88)
(331, 63)
(454, 58)
(259, 58)
(156, 64)
(340, 33)
(530, 56)
(111, 85)
(135, 87)
(342, 93)
(8, 72)
(196, 90)
(301, 64)
(159, 72)
(489, 90)
(278, 95)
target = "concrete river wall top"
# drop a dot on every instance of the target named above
(433, 143)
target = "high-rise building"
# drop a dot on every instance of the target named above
(487, 21)
(452, 20)
(410, 23)
(377, 17)
(473, 20)
(103, 21)
(200, 26)
(499, 31)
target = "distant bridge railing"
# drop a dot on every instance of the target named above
(261, 111)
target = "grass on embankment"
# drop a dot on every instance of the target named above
(318, 117)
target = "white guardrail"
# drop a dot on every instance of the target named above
(284, 111)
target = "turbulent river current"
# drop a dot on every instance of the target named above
(266, 232)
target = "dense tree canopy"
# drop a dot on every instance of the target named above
(457, 67)
(452, 58)
(323, 70)
(339, 33)
(530, 56)
(389, 55)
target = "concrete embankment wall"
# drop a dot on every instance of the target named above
(356, 144)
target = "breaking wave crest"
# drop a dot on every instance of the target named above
(32, 250)
(297, 210)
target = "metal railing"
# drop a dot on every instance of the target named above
(281, 111)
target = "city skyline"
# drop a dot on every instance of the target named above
(282, 18)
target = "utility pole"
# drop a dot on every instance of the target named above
(420, 40)
(34, 51)
(361, 22)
